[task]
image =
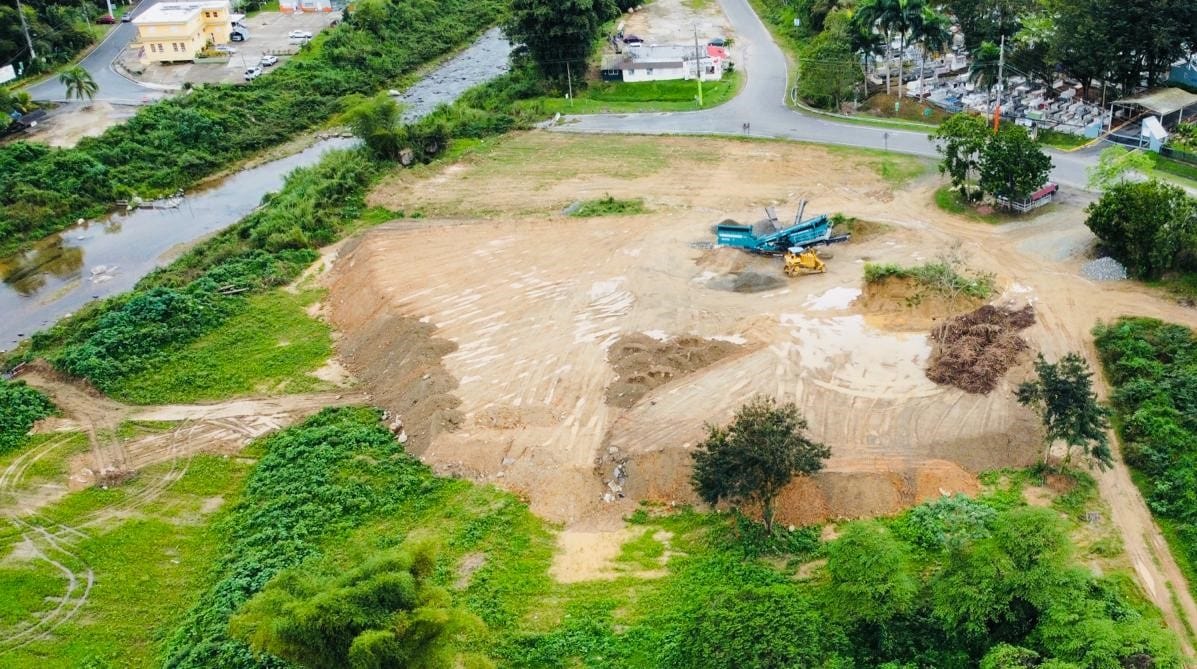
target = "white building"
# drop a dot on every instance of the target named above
(297, 6)
(642, 62)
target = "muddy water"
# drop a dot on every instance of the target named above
(96, 259)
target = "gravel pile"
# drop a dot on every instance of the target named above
(1104, 269)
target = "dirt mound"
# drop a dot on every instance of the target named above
(975, 350)
(746, 282)
(724, 260)
(643, 363)
(902, 304)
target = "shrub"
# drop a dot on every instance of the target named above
(20, 407)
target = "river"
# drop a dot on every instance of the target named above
(96, 259)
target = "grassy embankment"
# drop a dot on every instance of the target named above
(1152, 366)
(601, 97)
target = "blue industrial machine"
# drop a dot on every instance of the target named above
(768, 238)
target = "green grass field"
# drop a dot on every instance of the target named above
(148, 563)
(620, 97)
(271, 345)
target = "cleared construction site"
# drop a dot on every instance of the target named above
(576, 361)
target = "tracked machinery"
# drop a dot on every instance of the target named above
(797, 243)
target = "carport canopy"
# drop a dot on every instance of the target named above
(1161, 101)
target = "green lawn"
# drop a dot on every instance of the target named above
(148, 566)
(897, 169)
(650, 96)
(1173, 170)
(1062, 140)
(271, 345)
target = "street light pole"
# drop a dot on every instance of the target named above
(25, 27)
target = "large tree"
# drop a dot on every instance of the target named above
(1150, 226)
(1062, 394)
(829, 71)
(385, 612)
(1012, 164)
(750, 460)
(1114, 166)
(960, 140)
(559, 34)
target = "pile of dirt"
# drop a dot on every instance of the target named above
(975, 350)
(723, 260)
(902, 304)
(399, 359)
(643, 363)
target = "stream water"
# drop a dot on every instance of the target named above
(95, 259)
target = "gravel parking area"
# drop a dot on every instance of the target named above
(267, 34)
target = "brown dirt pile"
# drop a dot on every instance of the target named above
(644, 363)
(903, 305)
(975, 350)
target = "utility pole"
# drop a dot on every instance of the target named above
(697, 65)
(997, 109)
(569, 77)
(25, 27)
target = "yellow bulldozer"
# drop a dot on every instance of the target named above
(799, 261)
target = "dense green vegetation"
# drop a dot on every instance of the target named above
(20, 407)
(946, 584)
(1150, 226)
(941, 276)
(270, 344)
(313, 484)
(1153, 368)
(60, 29)
(174, 143)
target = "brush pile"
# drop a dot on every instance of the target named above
(974, 351)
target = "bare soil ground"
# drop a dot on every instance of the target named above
(525, 303)
(493, 337)
(674, 21)
(68, 123)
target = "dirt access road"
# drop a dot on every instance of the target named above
(488, 324)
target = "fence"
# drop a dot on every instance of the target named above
(1177, 154)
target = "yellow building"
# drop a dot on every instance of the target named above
(174, 31)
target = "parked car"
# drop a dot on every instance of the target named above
(299, 34)
(127, 18)
(718, 41)
(106, 20)
(269, 60)
(238, 36)
(253, 73)
(632, 39)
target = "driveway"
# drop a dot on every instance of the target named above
(112, 86)
(762, 105)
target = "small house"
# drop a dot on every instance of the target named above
(304, 6)
(643, 62)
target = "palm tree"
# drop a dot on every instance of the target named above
(984, 69)
(889, 17)
(23, 102)
(931, 32)
(79, 83)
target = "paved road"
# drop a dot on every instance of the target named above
(113, 87)
(762, 105)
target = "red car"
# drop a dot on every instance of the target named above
(106, 20)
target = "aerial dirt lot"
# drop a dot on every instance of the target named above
(674, 21)
(501, 331)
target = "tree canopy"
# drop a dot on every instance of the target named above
(1151, 226)
(1012, 165)
(1062, 394)
(382, 614)
(559, 34)
(750, 460)
(960, 140)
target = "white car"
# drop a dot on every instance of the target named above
(299, 34)
(253, 73)
(269, 60)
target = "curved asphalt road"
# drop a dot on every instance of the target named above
(762, 104)
(112, 86)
